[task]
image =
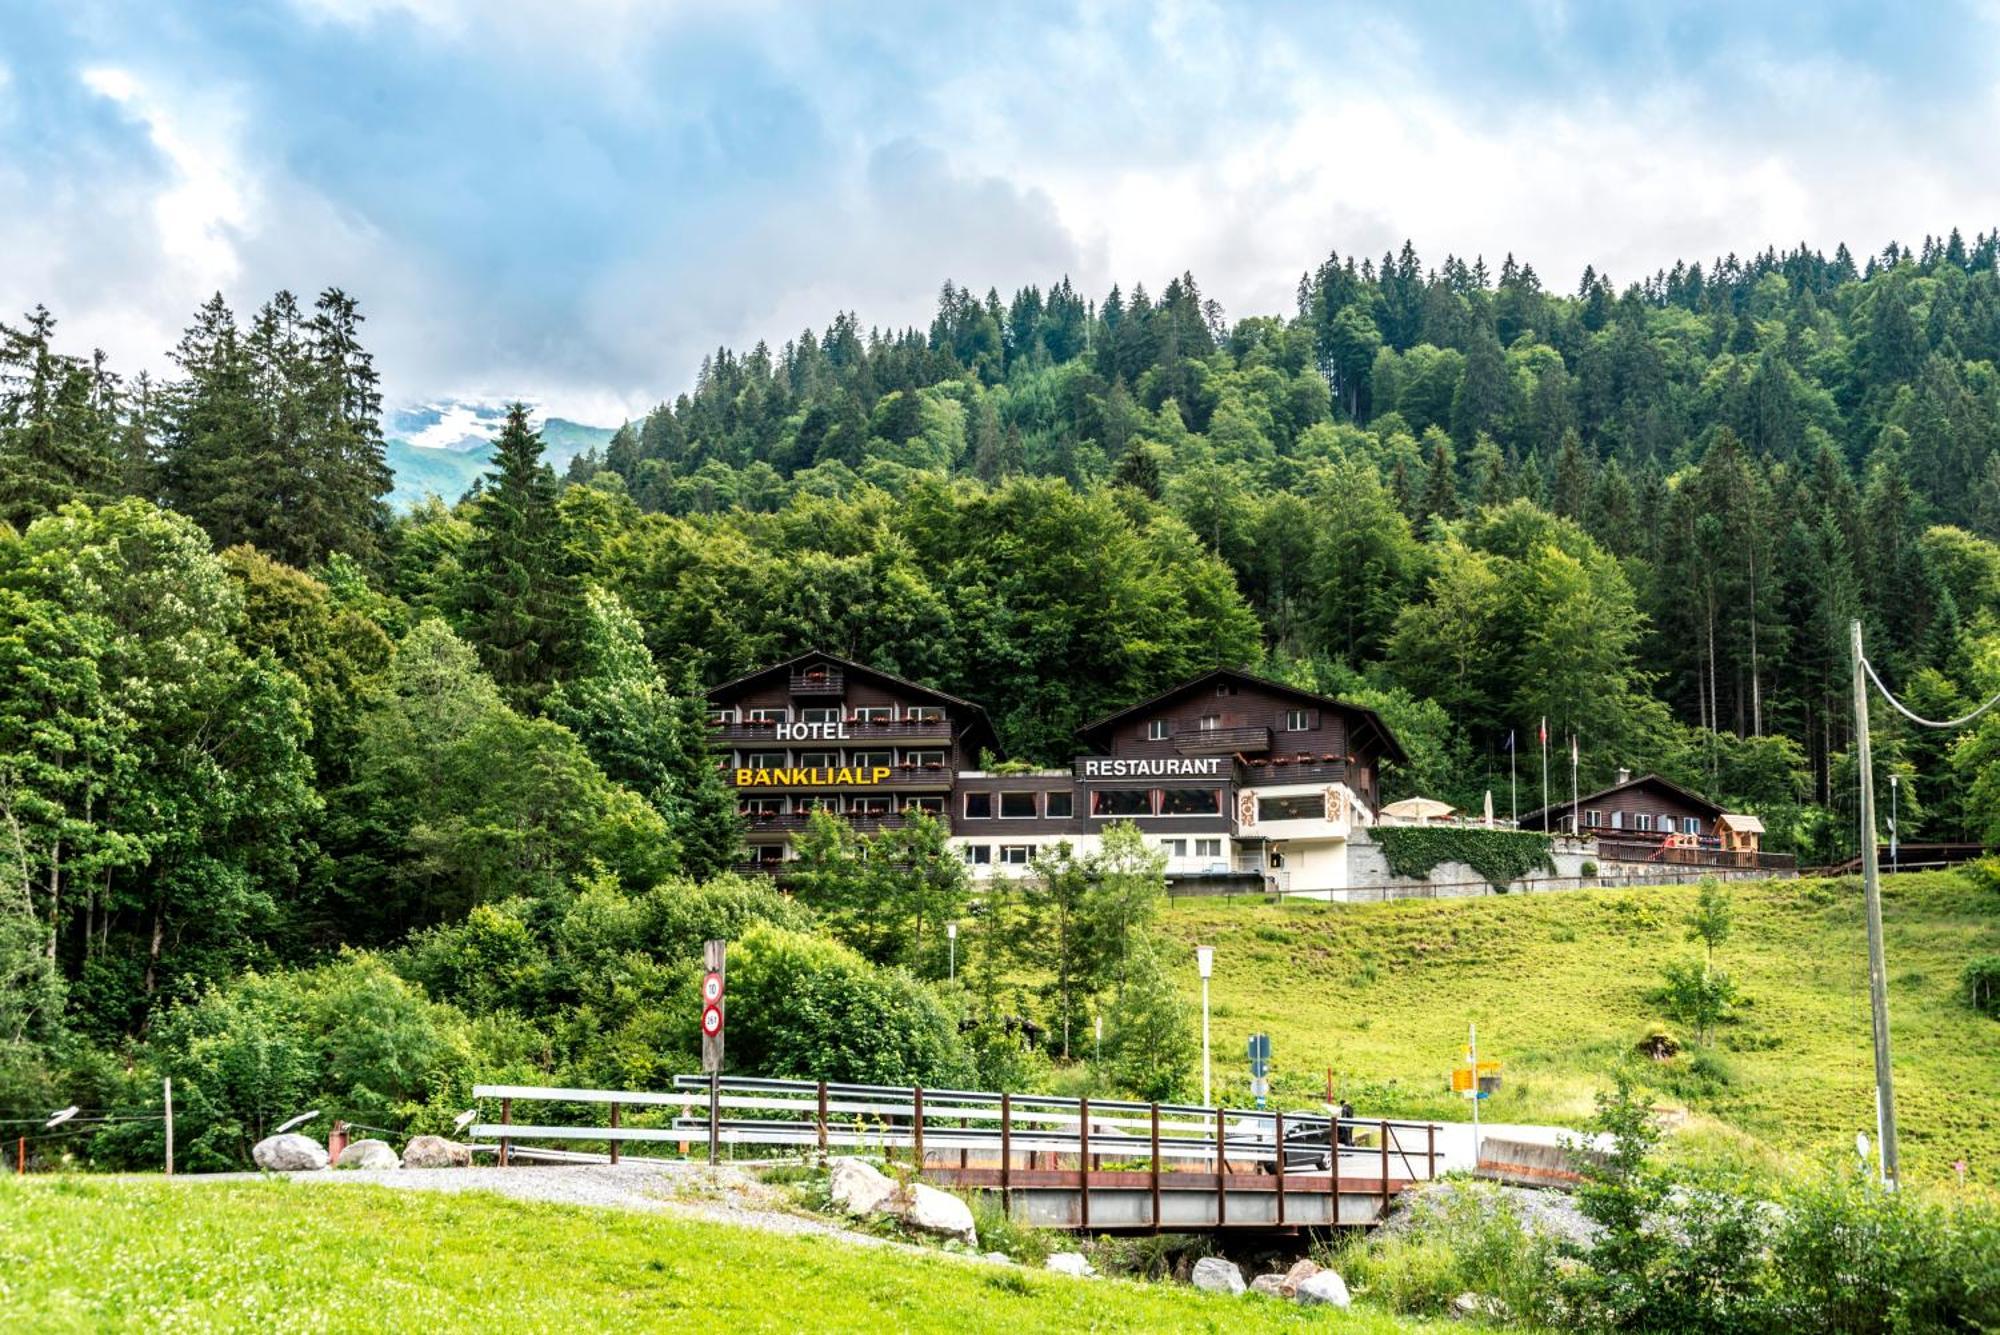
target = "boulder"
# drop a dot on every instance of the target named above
(369, 1154)
(1325, 1288)
(289, 1153)
(1301, 1270)
(436, 1152)
(1070, 1263)
(1212, 1274)
(998, 1258)
(939, 1213)
(1479, 1305)
(1271, 1285)
(857, 1186)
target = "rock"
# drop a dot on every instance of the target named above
(436, 1152)
(998, 1258)
(1478, 1305)
(1325, 1288)
(1212, 1274)
(858, 1187)
(1070, 1263)
(940, 1213)
(1273, 1285)
(369, 1154)
(1301, 1270)
(289, 1153)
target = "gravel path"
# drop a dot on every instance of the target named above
(726, 1196)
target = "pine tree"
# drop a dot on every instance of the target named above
(58, 424)
(516, 603)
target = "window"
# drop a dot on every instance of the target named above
(819, 759)
(1190, 801)
(875, 713)
(830, 805)
(1617, 820)
(868, 759)
(1310, 807)
(924, 714)
(868, 806)
(1017, 806)
(978, 806)
(767, 760)
(1298, 720)
(1210, 722)
(1059, 805)
(1690, 825)
(765, 855)
(756, 807)
(930, 805)
(1174, 848)
(1156, 731)
(1208, 848)
(721, 717)
(770, 715)
(1225, 688)
(819, 714)
(1593, 818)
(1016, 855)
(1644, 821)
(1121, 802)
(933, 759)
(976, 855)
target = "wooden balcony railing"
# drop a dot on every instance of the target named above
(1221, 741)
(857, 733)
(794, 822)
(818, 681)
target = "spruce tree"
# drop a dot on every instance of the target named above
(58, 423)
(516, 603)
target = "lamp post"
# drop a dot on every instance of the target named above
(1895, 835)
(951, 946)
(1204, 960)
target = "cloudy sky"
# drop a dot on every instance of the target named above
(570, 200)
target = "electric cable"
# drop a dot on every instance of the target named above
(1916, 718)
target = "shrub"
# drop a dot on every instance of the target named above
(1981, 984)
(1500, 856)
(1697, 995)
(1472, 1241)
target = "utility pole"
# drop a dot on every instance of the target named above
(170, 1125)
(1871, 888)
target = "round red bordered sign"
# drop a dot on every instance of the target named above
(711, 1021)
(711, 988)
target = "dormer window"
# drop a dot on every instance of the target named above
(1156, 731)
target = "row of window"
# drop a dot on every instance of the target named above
(1020, 855)
(830, 714)
(1104, 802)
(1296, 720)
(930, 758)
(1664, 823)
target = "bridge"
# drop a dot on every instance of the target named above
(1089, 1165)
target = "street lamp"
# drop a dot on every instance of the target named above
(1204, 960)
(951, 945)
(1895, 835)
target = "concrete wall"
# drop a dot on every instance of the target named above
(1369, 878)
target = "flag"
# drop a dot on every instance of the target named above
(1510, 741)
(1545, 730)
(1572, 748)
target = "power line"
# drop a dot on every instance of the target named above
(1916, 718)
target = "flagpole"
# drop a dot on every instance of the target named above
(1575, 815)
(1513, 798)
(1545, 773)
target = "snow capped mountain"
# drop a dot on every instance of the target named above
(440, 448)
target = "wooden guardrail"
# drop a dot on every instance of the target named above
(980, 1139)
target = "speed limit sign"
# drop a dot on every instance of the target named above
(711, 989)
(711, 1021)
(713, 957)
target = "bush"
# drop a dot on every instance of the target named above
(1473, 1242)
(1697, 995)
(809, 1008)
(1501, 857)
(1981, 984)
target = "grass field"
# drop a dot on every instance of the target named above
(1560, 986)
(125, 1254)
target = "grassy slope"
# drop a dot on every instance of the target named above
(1559, 985)
(91, 1254)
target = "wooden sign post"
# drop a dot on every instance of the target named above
(714, 955)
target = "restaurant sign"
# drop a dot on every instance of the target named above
(1172, 767)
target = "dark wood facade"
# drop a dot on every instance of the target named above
(1646, 806)
(823, 731)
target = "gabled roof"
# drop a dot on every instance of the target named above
(1094, 732)
(974, 725)
(1653, 781)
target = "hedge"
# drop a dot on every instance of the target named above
(1501, 857)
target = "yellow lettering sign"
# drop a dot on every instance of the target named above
(815, 777)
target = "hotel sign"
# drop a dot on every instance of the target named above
(815, 776)
(810, 732)
(1190, 767)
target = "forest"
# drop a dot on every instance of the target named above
(299, 793)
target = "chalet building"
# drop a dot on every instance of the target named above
(1635, 816)
(1232, 776)
(817, 731)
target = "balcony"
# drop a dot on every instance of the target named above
(793, 778)
(1639, 846)
(819, 681)
(795, 822)
(1221, 741)
(744, 733)
(1303, 768)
